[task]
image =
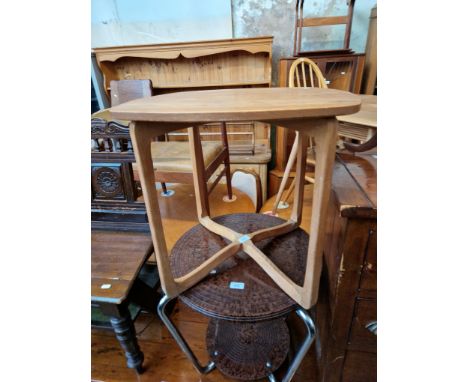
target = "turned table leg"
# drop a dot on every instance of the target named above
(125, 333)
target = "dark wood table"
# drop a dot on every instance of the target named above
(116, 261)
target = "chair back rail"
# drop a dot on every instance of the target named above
(305, 22)
(306, 74)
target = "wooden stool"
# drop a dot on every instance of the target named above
(312, 113)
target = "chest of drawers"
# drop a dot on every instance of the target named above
(347, 309)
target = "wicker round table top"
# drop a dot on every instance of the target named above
(248, 350)
(239, 289)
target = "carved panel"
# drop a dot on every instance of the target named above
(107, 181)
(101, 128)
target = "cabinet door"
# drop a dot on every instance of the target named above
(339, 73)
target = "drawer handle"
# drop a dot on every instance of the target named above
(372, 327)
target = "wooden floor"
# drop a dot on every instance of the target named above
(164, 361)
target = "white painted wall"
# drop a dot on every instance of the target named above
(129, 22)
(331, 37)
(276, 18)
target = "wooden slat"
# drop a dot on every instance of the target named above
(297, 77)
(353, 131)
(319, 21)
(304, 78)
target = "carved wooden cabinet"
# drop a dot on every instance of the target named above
(347, 309)
(115, 194)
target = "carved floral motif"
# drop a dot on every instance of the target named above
(107, 182)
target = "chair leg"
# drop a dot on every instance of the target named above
(290, 190)
(228, 176)
(287, 171)
(180, 340)
(227, 163)
(125, 333)
(305, 346)
(165, 191)
(199, 175)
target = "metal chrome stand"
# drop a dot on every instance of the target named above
(294, 365)
(309, 323)
(180, 340)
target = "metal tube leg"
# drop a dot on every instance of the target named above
(180, 340)
(302, 350)
(272, 378)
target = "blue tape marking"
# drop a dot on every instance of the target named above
(236, 285)
(244, 238)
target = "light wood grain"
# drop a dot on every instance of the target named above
(240, 62)
(218, 63)
(325, 139)
(239, 105)
(141, 138)
(319, 21)
(367, 116)
(187, 49)
(296, 112)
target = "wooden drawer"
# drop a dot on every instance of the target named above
(361, 337)
(360, 367)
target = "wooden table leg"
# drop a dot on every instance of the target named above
(125, 332)
(323, 131)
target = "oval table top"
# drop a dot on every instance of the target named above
(254, 104)
(367, 116)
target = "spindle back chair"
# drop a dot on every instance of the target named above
(306, 74)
